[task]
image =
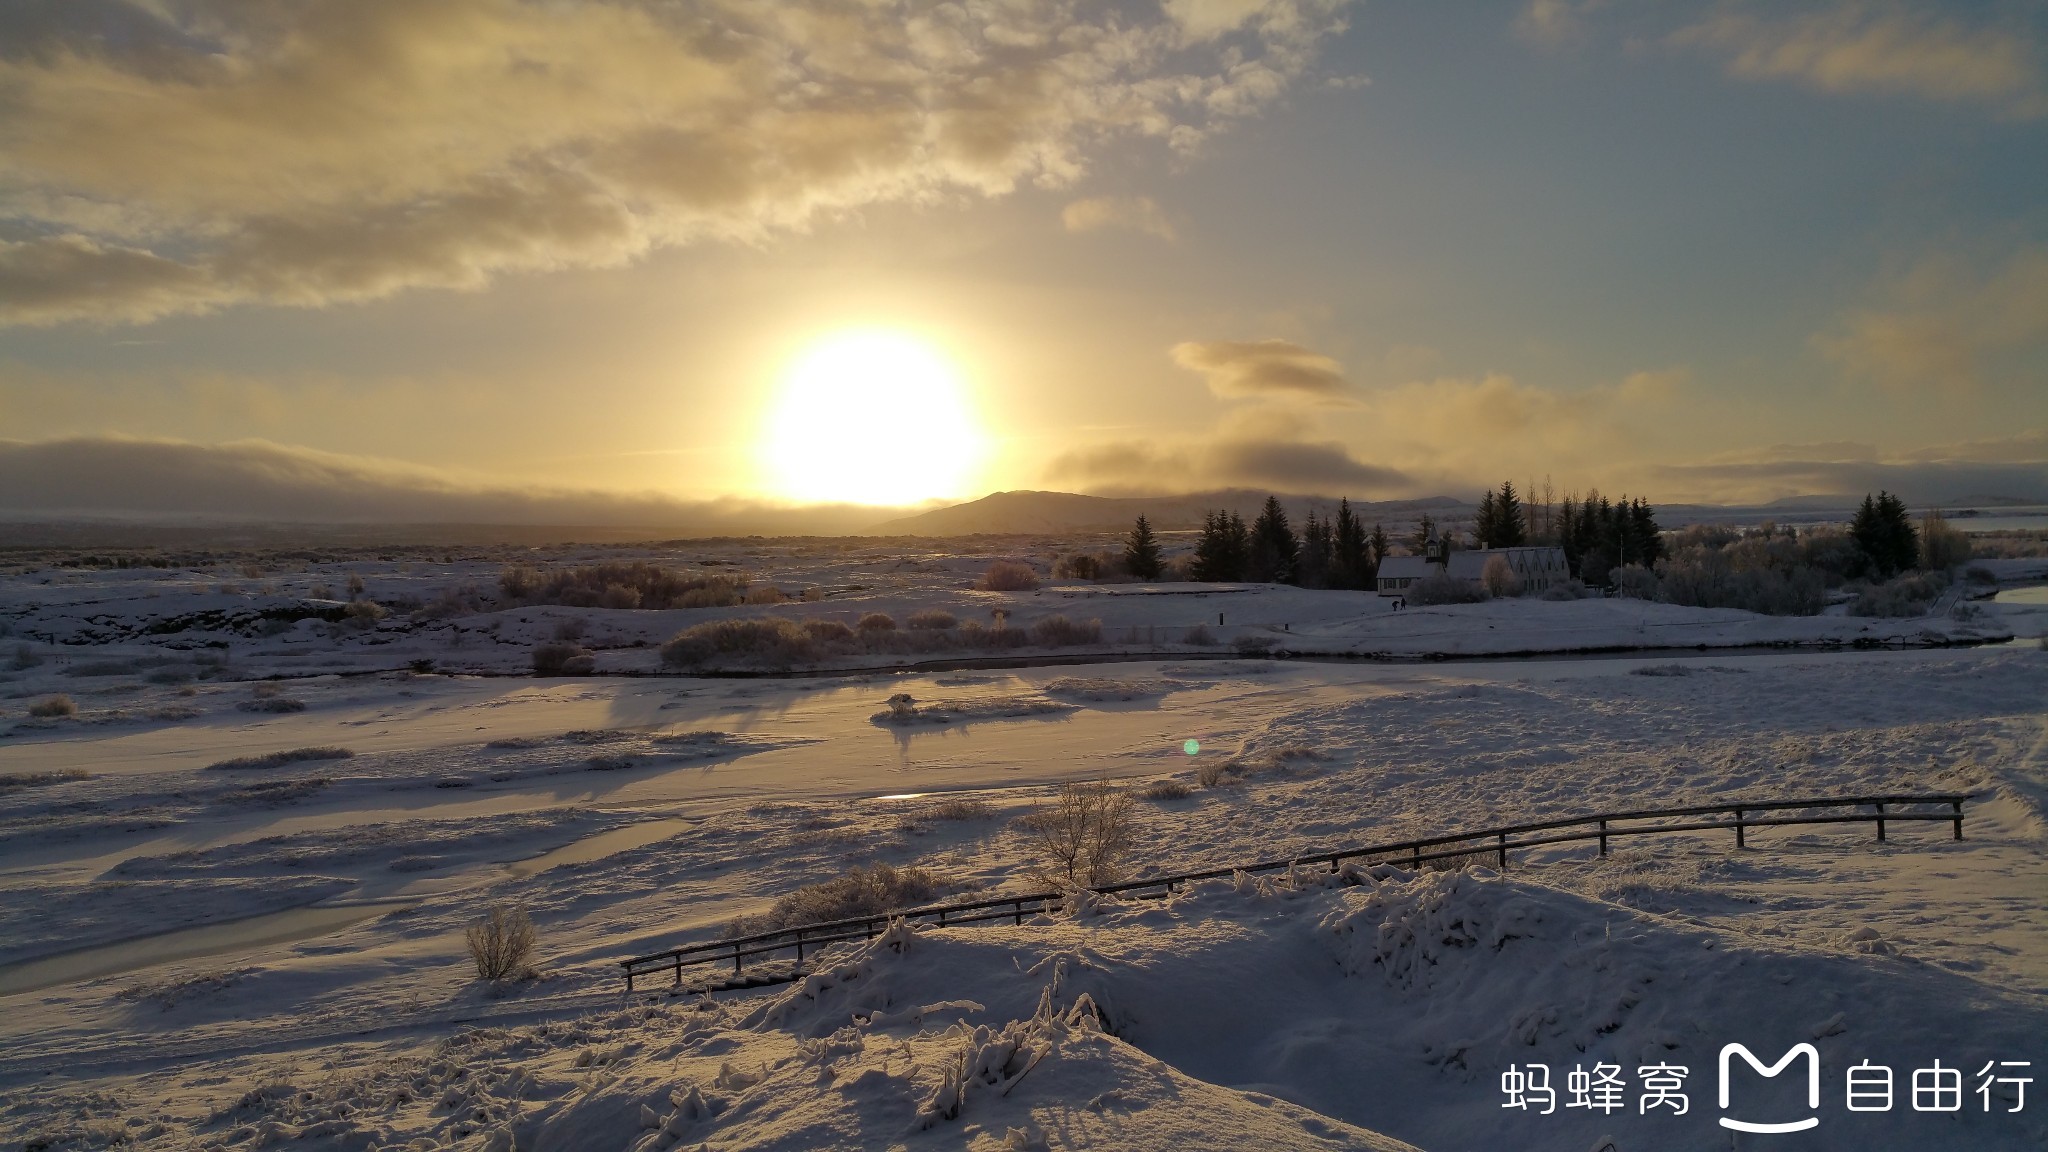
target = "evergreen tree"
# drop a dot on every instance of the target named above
(1645, 538)
(1212, 549)
(1275, 554)
(1568, 531)
(1424, 529)
(1883, 531)
(1141, 552)
(1486, 523)
(1380, 545)
(1318, 549)
(1509, 528)
(1350, 559)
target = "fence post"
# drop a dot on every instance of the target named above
(1880, 821)
(735, 957)
(942, 917)
(1738, 829)
(1603, 836)
(629, 979)
(1958, 805)
(679, 971)
(1503, 851)
(799, 945)
(1017, 909)
(1417, 862)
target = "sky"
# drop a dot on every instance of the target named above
(486, 258)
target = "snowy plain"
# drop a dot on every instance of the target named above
(197, 954)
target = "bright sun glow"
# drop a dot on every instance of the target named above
(872, 418)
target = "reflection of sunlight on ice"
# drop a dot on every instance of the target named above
(904, 796)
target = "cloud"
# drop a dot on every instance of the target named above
(1859, 47)
(1285, 465)
(165, 158)
(1554, 23)
(1917, 483)
(1241, 369)
(1939, 327)
(258, 481)
(1137, 213)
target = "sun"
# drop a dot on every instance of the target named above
(871, 417)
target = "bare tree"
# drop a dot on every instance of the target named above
(502, 943)
(1085, 836)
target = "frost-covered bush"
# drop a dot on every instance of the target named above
(1444, 589)
(1254, 645)
(931, 619)
(876, 622)
(1633, 581)
(1200, 636)
(766, 594)
(1908, 595)
(1499, 577)
(1060, 632)
(1698, 579)
(50, 707)
(1573, 589)
(1089, 566)
(959, 808)
(762, 639)
(973, 635)
(501, 944)
(635, 585)
(861, 891)
(24, 658)
(1008, 576)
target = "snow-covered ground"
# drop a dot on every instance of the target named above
(199, 953)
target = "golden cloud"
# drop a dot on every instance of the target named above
(209, 153)
(1878, 47)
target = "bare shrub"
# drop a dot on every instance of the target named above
(1499, 577)
(569, 628)
(761, 639)
(1084, 836)
(501, 944)
(828, 632)
(24, 658)
(1573, 589)
(280, 759)
(861, 891)
(974, 635)
(959, 808)
(766, 594)
(1008, 576)
(1254, 645)
(1168, 789)
(271, 703)
(363, 614)
(1201, 636)
(558, 658)
(1444, 589)
(355, 584)
(50, 707)
(1089, 566)
(1942, 546)
(1060, 632)
(13, 780)
(1210, 775)
(620, 585)
(876, 622)
(931, 620)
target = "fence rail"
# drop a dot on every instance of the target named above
(1740, 815)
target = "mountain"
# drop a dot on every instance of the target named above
(1004, 513)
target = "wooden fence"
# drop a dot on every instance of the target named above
(1741, 816)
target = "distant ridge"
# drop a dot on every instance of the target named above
(1021, 513)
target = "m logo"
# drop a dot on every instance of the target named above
(1812, 1086)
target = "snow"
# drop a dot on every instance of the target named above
(233, 958)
